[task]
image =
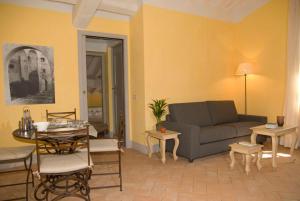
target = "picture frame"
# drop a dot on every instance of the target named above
(29, 74)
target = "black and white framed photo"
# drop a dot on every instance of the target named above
(29, 74)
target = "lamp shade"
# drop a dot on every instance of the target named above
(244, 69)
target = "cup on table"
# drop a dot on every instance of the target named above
(280, 121)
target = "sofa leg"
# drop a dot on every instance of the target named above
(191, 160)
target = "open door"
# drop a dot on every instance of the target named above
(118, 82)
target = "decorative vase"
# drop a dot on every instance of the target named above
(280, 121)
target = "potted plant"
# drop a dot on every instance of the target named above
(158, 107)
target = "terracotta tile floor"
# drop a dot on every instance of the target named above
(206, 179)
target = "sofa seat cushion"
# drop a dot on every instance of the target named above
(191, 113)
(243, 128)
(222, 112)
(216, 133)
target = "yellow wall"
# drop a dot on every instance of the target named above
(187, 58)
(261, 38)
(173, 55)
(22, 25)
(138, 77)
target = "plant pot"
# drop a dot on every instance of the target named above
(163, 130)
(158, 126)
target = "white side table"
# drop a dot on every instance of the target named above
(275, 133)
(246, 151)
(162, 137)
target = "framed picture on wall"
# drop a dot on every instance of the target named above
(29, 74)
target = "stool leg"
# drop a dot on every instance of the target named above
(247, 168)
(231, 153)
(258, 165)
(254, 158)
(243, 159)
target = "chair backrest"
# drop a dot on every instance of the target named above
(61, 115)
(121, 131)
(66, 141)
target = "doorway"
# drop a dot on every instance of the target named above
(103, 91)
(97, 101)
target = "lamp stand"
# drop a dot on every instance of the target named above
(245, 93)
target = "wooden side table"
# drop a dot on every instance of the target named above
(275, 133)
(162, 137)
(246, 151)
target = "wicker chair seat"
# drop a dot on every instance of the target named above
(58, 164)
(15, 153)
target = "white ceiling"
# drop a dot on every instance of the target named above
(226, 10)
(84, 10)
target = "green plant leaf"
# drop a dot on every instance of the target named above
(158, 107)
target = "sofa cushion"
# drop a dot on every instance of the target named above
(222, 111)
(216, 133)
(191, 113)
(243, 128)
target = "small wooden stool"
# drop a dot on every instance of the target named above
(246, 151)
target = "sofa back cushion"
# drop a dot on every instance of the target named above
(222, 111)
(190, 113)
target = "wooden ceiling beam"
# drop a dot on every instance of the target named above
(83, 12)
(73, 2)
(115, 9)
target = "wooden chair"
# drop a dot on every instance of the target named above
(99, 146)
(61, 115)
(63, 164)
(10, 155)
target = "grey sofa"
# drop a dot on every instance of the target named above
(208, 127)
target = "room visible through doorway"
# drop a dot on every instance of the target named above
(104, 83)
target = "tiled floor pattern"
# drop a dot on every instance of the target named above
(206, 179)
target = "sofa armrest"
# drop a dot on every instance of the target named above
(188, 138)
(245, 117)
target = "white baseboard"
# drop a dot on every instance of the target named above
(143, 148)
(129, 144)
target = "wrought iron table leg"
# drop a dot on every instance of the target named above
(28, 173)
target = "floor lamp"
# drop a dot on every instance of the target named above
(244, 69)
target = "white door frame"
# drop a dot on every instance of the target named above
(82, 75)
